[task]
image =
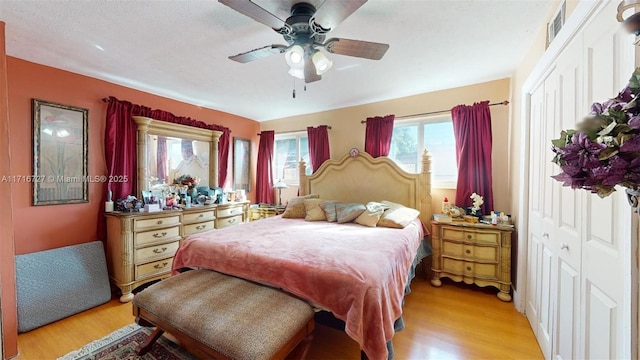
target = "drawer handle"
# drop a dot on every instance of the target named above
(468, 251)
(545, 235)
(159, 222)
(200, 227)
(231, 221)
(201, 215)
(564, 246)
(468, 268)
(158, 266)
(159, 235)
(159, 251)
(468, 236)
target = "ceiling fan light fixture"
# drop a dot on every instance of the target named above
(297, 73)
(322, 63)
(295, 56)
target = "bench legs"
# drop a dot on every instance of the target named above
(148, 343)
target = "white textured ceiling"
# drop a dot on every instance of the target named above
(179, 49)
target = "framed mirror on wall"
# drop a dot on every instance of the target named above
(60, 154)
(241, 164)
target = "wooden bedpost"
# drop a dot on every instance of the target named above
(426, 188)
(302, 176)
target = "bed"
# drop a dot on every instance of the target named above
(360, 274)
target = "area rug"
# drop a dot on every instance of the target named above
(121, 344)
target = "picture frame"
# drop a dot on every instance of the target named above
(241, 164)
(60, 154)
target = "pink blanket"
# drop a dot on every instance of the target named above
(356, 272)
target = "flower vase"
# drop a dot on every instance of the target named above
(633, 196)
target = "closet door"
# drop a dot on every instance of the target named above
(567, 214)
(539, 284)
(609, 62)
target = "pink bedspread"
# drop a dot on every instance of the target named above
(356, 272)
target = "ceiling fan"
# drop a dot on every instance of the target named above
(304, 25)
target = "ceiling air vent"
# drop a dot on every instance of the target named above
(557, 21)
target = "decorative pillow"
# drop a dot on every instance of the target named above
(348, 212)
(373, 213)
(295, 207)
(397, 216)
(329, 208)
(313, 210)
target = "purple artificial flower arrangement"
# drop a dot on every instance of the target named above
(604, 150)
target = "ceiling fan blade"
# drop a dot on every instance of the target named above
(357, 48)
(331, 14)
(252, 10)
(260, 53)
(310, 74)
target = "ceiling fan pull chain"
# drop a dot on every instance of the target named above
(294, 88)
(305, 87)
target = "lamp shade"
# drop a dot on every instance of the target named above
(295, 57)
(280, 185)
(322, 63)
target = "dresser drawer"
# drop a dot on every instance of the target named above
(155, 252)
(155, 236)
(198, 228)
(198, 216)
(480, 237)
(229, 221)
(230, 211)
(145, 224)
(153, 268)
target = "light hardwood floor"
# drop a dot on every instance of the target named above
(455, 321)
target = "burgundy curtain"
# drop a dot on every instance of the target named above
(377, 140)
(223, 155)
(472, 131)
(318, 145)
(264, 173)
(120, 147)
(161, 159)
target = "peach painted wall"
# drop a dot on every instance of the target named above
(46, 227)
(347, 131)
(9, 321)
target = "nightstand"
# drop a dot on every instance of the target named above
(474, 253)
(264, 211)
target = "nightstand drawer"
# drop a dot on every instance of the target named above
(470, 252)
(145, 224)
(483, 237)
(155, 236)
(236, 210)
(198, 217)
(153, 268)
(198, 228)
(471, 269)
(154, 252)
(230, 221)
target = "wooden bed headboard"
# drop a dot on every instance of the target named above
(362, 178)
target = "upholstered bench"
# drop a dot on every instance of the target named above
(213, 315)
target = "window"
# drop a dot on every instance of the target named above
(288, 150)
(436, 135)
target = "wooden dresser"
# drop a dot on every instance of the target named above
(232, 213)
(140, 247)
(474, 253)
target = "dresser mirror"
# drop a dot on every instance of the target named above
(165, 151)
(168, 158)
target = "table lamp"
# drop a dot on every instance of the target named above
(280, 185)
